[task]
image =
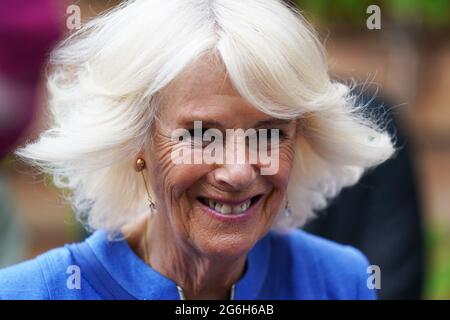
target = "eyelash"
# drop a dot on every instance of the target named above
(194, 140)
(281, 134)
(192, 131)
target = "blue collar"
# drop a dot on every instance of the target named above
(145, 283)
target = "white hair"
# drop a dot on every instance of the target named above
(105, 79)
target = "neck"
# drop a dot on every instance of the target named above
(200, 276)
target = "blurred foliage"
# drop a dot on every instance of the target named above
(437, 282)
(433, 13)
(7, 162)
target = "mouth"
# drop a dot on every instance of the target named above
(230, 208)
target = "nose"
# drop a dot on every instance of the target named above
(236, 176)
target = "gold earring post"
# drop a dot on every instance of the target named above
(140, 166)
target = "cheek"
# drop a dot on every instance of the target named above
(171, 182)
(280, 179)
(171, 179)
(279, 182)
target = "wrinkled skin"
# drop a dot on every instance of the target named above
(204, 255)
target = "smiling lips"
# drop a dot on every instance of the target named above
(227, 208)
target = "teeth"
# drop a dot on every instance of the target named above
(227, 209)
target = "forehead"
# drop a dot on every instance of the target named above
(205, 78)
(203, 91)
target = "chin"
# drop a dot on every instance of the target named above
(225, 245)
(227, 235)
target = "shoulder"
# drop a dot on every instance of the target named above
(34, 278)
(326, 253)
(326, 269)
(55, 274)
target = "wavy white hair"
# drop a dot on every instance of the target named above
(106, 76)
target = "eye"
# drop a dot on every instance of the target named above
(197, 137)
(197, 133)
(271, 134)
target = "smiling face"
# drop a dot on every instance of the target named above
(216, 209)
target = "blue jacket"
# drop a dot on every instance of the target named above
(295, 265)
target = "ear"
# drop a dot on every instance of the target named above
(302, 123)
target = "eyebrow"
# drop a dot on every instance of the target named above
(205, 123)
(216, 124)
(273, 122)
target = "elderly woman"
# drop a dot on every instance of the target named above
(123, 86)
